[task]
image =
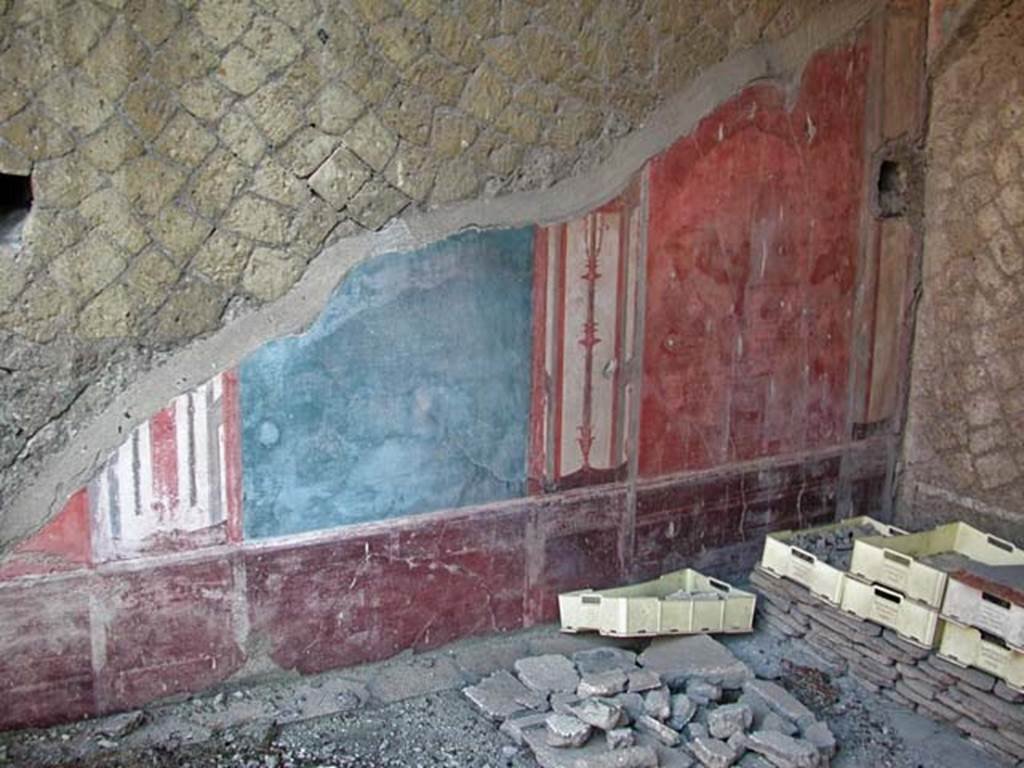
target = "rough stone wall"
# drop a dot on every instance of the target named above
(188, 159)
(965, 443)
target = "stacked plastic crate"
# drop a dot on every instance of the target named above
(949, 587)
(931, 620)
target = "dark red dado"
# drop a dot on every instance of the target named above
(116, 637)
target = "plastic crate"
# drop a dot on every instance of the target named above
(970, 647)
(896, 561)
(990, 598)
(646, 609)
(784, 560)
(914, 621)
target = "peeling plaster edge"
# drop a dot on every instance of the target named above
(67, 470)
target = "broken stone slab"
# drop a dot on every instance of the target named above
(631, 703)
(703, 692)
(600, 714)
(683, 710)
(659, 730)
(641, 680)
(630, 757)
(658, 703)
(678, 659)
(515, 727)
(562, 703)
(915, 651)
(973, 677)
(921, 688)
(594, 661)
(783, 750)
(119, 726)
(620, 738)
(1006, 693)
(729, 719)
(602, 683)
(668, 757)
(550, 673)
(566, 731)
(781, 701)
(697, 730)
(500, 696)
(776, 722)
(712, 752)
(594, 754)
(751, 760)
(821, 736)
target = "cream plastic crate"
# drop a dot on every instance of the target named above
(782, 559)
(990, 599)
(896, 562)
(970, 647)
(912, 620)
(641, 609)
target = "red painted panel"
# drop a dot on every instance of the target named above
(45, 653)
(62, 545)
(367, 597)
(164, 630)
(752, 253)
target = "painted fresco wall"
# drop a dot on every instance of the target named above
(656, 383)
(410, 393)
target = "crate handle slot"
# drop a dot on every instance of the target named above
(591, 599)
(995, 600)
(885, 594)
(807, 556)
(1003, 545)
(896, 557)
(991, 639)
(721, 586)
(894, 531)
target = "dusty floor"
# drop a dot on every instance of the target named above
(410, 712)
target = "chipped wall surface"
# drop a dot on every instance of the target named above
(964, 453)
(189, 159)
(461, 434)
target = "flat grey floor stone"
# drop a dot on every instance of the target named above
(550, 673)
(821, 736)
(678, 659)
(500, 695)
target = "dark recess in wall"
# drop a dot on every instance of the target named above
(15, 203)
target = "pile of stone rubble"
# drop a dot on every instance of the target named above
(982, 708)
(684, 700)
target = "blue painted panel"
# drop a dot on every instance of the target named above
(409, 394)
